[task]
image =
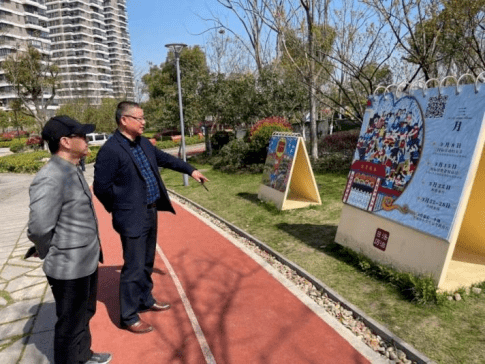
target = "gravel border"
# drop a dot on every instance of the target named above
(376, 336)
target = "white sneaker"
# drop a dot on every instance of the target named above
(100, 358)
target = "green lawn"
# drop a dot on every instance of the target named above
(453, 332)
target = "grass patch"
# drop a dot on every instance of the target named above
(449, 332)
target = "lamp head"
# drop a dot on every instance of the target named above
(176, 47)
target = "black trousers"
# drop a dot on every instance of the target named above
(136, 275)
(75, 306)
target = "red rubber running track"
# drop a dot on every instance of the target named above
(225, 309)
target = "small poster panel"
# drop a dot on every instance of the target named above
(288, 179)
(413, 157)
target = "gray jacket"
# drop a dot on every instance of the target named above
(62, 221)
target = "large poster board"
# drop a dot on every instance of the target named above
(288, 179)
(413, 157)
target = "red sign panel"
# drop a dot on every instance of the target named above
(381, 238)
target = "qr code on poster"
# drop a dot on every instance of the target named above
(436, 107)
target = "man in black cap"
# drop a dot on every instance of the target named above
(62, 225)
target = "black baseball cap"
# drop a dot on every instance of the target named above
(62, 126)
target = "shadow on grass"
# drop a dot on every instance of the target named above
(322, 238)
(316, 236)
(253, 198)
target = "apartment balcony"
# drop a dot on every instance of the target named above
(39, 45)
(98, 32)
(100, 48)
(33, 2)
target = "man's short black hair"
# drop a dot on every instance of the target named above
(122, 108)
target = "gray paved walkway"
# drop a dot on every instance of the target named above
(27, 309)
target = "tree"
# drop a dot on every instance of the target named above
(257, 38)
(162, 109)
(361, 54)
(308, 55)
(35, 80)
(102, 115)
(4, 120)
(139, 88)
(416, 29)
(226, 54)
(461, 45)
(19, 118)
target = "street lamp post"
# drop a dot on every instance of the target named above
(176, 48)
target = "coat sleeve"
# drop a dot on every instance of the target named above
(105, 170)
(45, 207)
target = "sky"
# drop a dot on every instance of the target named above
(154, 23)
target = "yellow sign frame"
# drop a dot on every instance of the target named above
(301, 188)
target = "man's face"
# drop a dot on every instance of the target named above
(77, 145)
(133, 122)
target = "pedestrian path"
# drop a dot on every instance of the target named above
(227, 306)
(26, 303)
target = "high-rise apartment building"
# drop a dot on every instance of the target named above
(87, 39)
(78, 47)
(119, 48)
(22, 24)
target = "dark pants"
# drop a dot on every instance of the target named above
(136, 275)
(75, 306)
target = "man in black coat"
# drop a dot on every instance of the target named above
(128, 184)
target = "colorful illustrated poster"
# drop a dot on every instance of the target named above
(279, 160)
(413, 157)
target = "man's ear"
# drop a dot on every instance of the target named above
(123, 122)
(65, 143)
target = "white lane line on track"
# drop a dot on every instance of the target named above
(209, 358)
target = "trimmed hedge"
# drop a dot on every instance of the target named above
(17, 145)
(166, 144)
(29, 162)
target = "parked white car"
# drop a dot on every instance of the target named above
(97, 139)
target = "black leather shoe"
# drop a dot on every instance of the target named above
(160, 306)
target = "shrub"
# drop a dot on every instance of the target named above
(17, 145)
(333, 163)
(235, 157)
(35, 142)
(342, 142)
(7, 137)
(260, 135)
(23, 162)
(220, 139)
(265, 127)
(93, 152)
(231, 156)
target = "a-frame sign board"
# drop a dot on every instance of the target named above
(288, 179)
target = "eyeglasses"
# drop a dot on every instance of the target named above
(82, 136)
(137, 119)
